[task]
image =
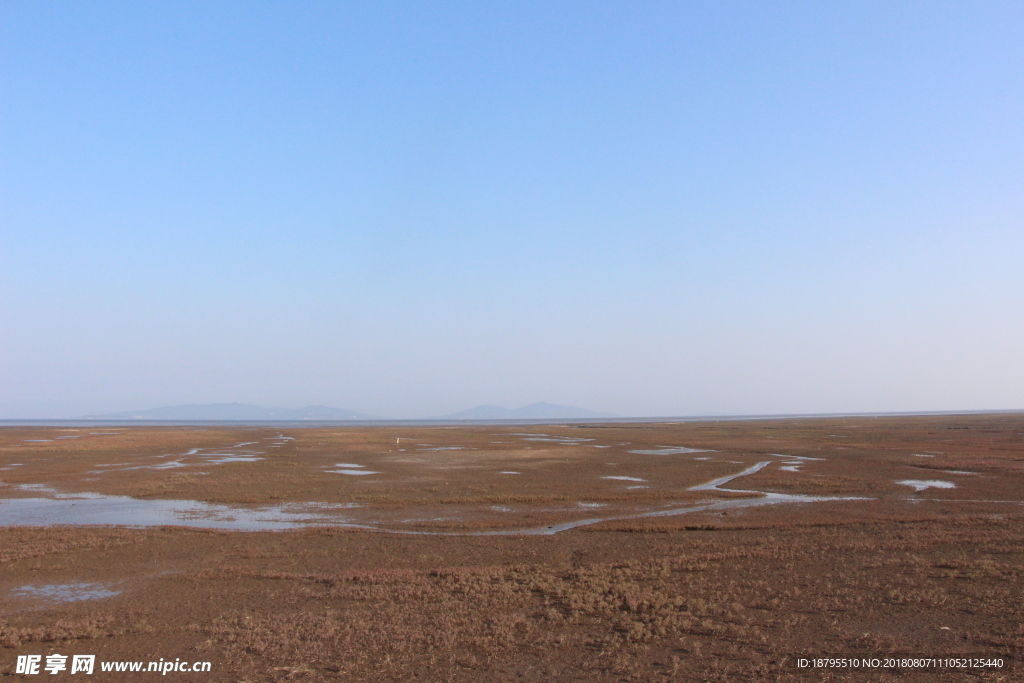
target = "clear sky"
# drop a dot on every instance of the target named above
(407, 209)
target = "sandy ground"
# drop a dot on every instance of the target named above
(717, 551)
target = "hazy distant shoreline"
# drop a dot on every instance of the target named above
(297, 424)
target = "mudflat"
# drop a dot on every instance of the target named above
(718, 551)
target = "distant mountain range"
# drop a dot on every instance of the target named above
(245, 411)
(237, 411)
(534, 411)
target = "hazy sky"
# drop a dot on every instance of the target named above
(407, 209)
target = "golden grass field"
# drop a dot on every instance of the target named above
(448, 562)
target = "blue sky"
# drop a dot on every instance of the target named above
(411, 208)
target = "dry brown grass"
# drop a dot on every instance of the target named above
(20, 543)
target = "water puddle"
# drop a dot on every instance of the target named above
(65, 592)
(97, 509)
(715, 483)
(355, 472)
(509, 472)
(164, 466)
(426, 533)
(922, 484)
(624, 478)
(232, 458)
(201, 457)
(564, 440)
(672, 450)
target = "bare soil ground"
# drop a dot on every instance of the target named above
(444, 565)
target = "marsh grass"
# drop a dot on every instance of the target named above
(730, 595)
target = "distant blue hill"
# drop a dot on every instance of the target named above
(236, 411)
(534, 411)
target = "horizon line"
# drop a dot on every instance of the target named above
(310, 422)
